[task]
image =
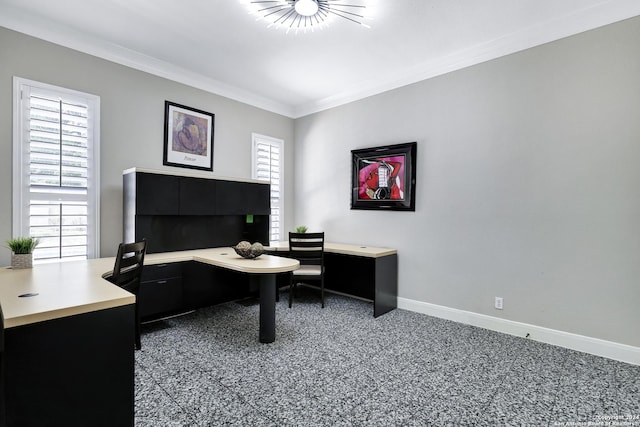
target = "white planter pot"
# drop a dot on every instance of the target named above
(21, 261)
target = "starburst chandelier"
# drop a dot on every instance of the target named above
(308, 14)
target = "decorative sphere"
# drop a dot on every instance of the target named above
(247, 250)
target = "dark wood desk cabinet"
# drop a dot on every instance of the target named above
(161, 290)
(173, 288)
(72, 371)
(364, 272)
(374, 279)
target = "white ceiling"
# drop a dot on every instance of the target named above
(216, 45)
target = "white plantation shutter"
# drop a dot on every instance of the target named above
(267, 166)
(56, 170)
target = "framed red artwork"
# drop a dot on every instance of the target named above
(384, 177)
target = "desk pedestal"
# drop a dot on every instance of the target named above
(72, 371)
(375, 279)
(267, 284)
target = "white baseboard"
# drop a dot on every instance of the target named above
(595, 346)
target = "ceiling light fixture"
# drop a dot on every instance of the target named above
(306, 7)
(308, 14)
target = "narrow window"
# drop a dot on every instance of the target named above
(56, 170)
(267, 166)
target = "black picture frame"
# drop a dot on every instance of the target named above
(384, 178)
(188, 137)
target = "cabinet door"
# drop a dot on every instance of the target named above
(197, 196)
(259, 199)
(241, 198)
(157, 194)
(160, 290)
(158, 297)
(205, 285)
(230, 198)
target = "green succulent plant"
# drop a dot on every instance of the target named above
(22, 245)
(301, 229)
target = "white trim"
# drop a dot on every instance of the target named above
(95, 177)
(34, 26)
(255, 139)
(18, 196)
(589, 18)
(21, 190)
(604, 13)
(595, 346)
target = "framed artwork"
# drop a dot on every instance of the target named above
(188, 137)
(384, 177)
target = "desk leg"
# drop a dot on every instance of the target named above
(267, 307)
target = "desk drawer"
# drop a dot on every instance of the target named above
(160, 297)
(161, 271)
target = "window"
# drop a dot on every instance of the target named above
(56, 170)
(266, 159)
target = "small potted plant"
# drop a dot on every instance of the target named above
(22, 248)
(301, 229)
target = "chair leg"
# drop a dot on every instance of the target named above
(138, 342)
(322, 290)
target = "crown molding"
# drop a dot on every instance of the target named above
(35, 27)
(605, 13)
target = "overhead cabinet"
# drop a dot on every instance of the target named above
(153, 194)
(158, 194)
(219, 197)
(180, 212)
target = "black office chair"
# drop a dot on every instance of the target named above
(127, 273)
(308, 248)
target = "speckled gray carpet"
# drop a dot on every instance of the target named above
(339, 366)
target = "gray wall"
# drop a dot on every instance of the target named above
(132, 123)
(528, 171)
(528, 184)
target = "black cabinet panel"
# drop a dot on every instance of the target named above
(197, 196)
(72, 371)
(259, 199)
(230, 198)
(352, 275)
(178, 233)
(239, 198)
(181, 212)
(162, 296)
(161, 271)
(206, 285)
(160, 290)
(157, 194)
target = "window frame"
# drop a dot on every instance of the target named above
(257, 138)
(21, 184)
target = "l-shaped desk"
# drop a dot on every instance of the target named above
(69, 334)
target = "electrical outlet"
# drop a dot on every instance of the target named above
(498, 303)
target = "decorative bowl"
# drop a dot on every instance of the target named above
(248, 250)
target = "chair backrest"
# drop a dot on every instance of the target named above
(308, 248)
(128, 268)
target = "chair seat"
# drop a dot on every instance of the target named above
(308, 270)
